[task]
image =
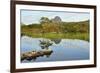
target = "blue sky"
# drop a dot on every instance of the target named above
(32, 16)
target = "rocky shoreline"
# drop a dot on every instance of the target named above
(34, 54)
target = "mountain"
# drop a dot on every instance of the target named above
(56, 19)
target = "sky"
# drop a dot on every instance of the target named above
(33, 16)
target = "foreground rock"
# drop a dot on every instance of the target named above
(35, 54)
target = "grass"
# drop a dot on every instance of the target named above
(81, 36)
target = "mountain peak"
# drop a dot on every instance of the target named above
(56, 19)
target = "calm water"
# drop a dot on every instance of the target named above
(63, 49)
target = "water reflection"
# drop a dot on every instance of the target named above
(56, 41)
(41, 50)
(45, 43)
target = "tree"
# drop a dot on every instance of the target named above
(44, 20)
(51, 27)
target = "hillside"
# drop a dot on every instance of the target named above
(72, 30)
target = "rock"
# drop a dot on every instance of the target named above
(34, 54)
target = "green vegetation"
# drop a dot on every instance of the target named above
(52, 29)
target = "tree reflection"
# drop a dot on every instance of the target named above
(45, 44)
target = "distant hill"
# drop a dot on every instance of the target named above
(56, 19)
(79, 22)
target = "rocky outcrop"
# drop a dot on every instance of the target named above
(35, 54)
(57, 19)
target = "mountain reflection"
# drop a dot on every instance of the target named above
(56, 41)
